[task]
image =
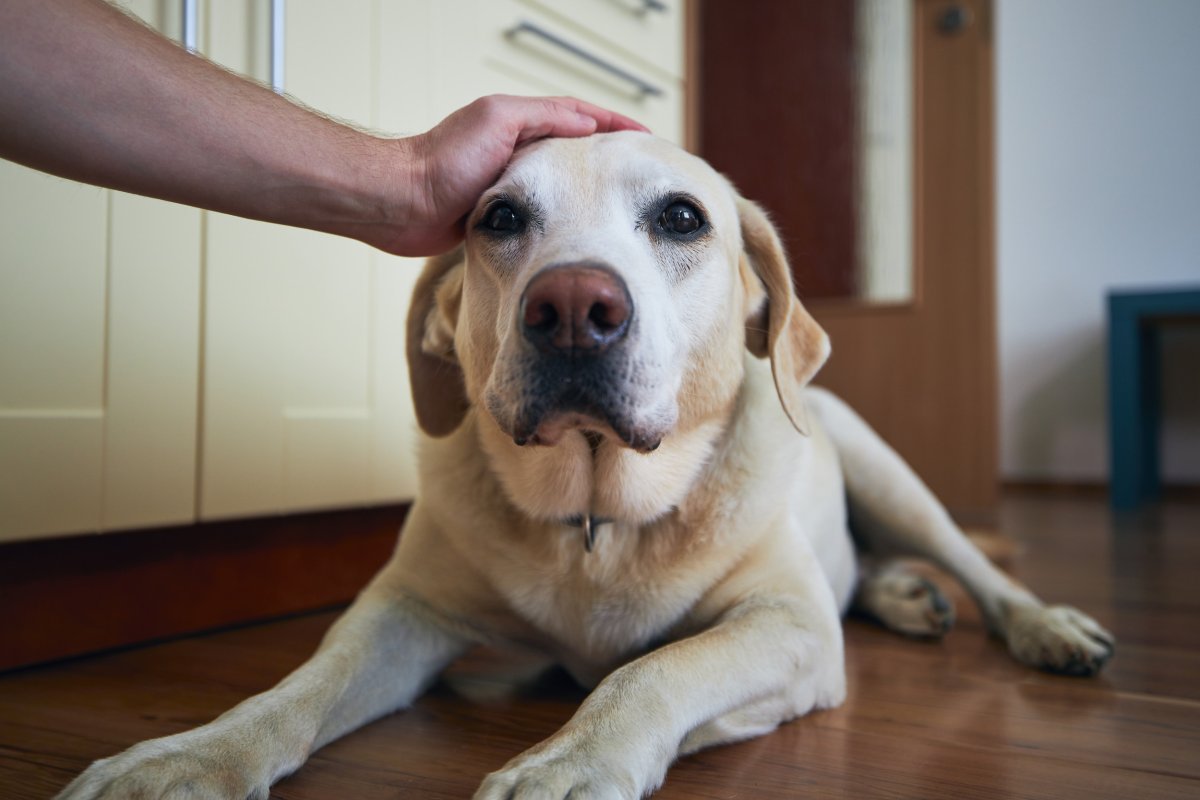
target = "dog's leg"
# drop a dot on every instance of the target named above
(771, 657)
(900, 599)
(895, 512)
(375, 659)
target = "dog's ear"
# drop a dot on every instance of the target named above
(435, 377)
(778, 325)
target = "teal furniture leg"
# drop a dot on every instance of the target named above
(1134, 388)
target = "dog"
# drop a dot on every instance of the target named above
(623, 467)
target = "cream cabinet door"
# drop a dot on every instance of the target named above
(99, 327)
(614, 53)
(305, 397)
(53, 306)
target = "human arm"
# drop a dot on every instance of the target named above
(88, 93)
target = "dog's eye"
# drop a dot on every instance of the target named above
(681, 219)
(503, 219)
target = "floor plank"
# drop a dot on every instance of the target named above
(948, 720)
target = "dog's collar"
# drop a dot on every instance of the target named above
(589, 523)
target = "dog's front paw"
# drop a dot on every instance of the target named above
(1059, 639)
(559, 769)
(172, 768)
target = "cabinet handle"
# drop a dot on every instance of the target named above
(643, 87)
(654, 5)
(278, 39)
(191, 19)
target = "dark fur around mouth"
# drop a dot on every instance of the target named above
(593, 387)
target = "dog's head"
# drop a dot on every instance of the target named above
(605, 294)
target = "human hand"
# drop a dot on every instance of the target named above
(452, 164)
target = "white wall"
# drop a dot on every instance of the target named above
(1098, 167)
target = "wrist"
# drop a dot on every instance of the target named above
(390, 193)
(374, 187)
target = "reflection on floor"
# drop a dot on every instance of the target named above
(956, 719)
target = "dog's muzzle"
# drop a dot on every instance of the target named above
(575, 319)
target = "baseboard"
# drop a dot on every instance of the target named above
(82, 594)
(1092, 489)
(976, 518)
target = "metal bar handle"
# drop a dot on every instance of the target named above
(643, 87)
(278, 39)
(191, 24)
(653, 5)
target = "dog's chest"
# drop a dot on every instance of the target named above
(603, 607)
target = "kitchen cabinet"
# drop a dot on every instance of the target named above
(99, 311)
(305, 397)
(622, 54)
(161, 365)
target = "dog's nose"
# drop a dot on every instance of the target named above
(575, 310)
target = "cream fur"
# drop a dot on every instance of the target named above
(709, 610)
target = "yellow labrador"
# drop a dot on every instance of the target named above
(623, 469)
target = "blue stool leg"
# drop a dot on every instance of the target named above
(1123, 402)
(1150, 420)
(1133, 406)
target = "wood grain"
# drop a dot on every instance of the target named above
(950, 720)
(778, 115)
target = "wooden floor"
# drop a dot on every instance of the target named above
(951, 720)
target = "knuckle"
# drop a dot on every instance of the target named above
(490, 105)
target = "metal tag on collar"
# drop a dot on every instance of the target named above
(589, 532)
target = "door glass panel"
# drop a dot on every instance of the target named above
(885, 148)
(808, 108)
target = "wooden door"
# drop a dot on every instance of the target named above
(921, 371)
